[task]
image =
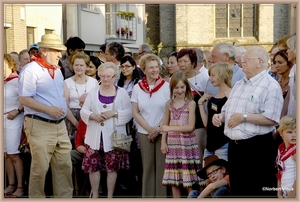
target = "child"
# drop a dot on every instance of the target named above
(215, 171)
(286, 159)
(220, 75)
(178, 137)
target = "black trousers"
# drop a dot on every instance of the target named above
(251, 167)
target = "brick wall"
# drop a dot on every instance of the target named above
(16, 39)
(281, 20)
(194, 26)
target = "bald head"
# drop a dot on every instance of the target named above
(82, 99)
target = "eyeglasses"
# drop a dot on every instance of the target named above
(106, 76)
(125, 66)
(250, 58)
(213, 172)
(142, 52)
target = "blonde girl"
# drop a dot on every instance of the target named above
(220, 75)
(179, 141)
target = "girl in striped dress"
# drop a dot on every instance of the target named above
(178, 137)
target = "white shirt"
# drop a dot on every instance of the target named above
(259, 95)
(76, 90)
(152, 108)
(292, 83)
(91, 105)
(288, 176)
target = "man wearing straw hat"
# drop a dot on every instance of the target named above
(41, 92)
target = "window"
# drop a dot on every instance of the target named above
(30, 36)
(115, 22)
(91, 7)
(235, 20)
(49, 31)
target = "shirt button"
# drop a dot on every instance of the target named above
(102, 124)
(104, 106)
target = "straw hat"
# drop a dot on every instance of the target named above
(52, 41)
(209, 161)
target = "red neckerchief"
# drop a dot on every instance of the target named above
(13, 75)
(145, 86)
(284, 154)
(37, 58)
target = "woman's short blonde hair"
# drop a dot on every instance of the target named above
(223, 71)
(80, 55)
(148, 58)
(287, 122)
(109, 65)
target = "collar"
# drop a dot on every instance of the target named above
(256, 79)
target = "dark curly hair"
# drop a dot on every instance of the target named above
(117, 49)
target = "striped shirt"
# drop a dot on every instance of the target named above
(259, 95)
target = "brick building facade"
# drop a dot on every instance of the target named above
(204, 25)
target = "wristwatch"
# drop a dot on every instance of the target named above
(245, 117)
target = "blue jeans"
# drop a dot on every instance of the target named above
(222, 191)
(222, 152)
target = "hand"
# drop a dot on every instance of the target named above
(204, 98)
(217, 120)
(98, 117)
(164, 147)
(12, 114)
(152, 133)
(164, 128)
(56, 112)
(108, 114)
(235, 120)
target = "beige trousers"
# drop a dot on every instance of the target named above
(49, 144)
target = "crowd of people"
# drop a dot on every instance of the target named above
(217, 123)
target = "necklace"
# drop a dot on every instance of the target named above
(76, 86)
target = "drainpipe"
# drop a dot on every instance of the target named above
(64, 21)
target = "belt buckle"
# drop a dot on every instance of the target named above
(236, 141)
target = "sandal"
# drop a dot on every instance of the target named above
(11, 191)
(14, 195)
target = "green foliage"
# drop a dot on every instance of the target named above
(148, 41)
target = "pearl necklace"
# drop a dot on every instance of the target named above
(76, 86)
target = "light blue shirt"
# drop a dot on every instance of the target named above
(36, 82)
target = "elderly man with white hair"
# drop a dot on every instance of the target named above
(250, 115)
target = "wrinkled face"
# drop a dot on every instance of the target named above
(281, 65)
(151, 69)
(185, 64)
(215, 173)
(250, 62)
(108, 56)
(24, 59)
(91, 70)
(173, 65)
(217, 57)
(179, 90)
(79, 66)
(107, 76)
(52, 56)
(127, 69)
(291, 55)
(289, 136)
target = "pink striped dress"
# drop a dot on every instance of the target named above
(182, 161)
